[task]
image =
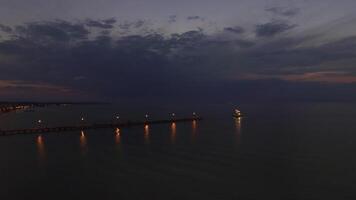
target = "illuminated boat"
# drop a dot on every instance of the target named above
(237, 114)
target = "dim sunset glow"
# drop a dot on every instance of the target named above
(178, 99)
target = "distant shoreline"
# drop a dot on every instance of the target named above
(11, 106)
(49, 103)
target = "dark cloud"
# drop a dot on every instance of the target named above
(243, 43)
(194, 18)
(105, 32)
(156, 66)
(139, 23)
(54, 31)
(125, 25)
(172, 18)
(272, 28)
(109, 21)
(281, 11)
(98, 24)
(128, 27)
(6, 29)
(286, 57)
(235, 29)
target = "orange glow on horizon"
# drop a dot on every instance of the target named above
(316, 76)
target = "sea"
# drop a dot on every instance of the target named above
(275, 151)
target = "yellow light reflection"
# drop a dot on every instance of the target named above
(194, 126)
(147, 134)
(194, 130)
(83, 142)
(41, 149)
(173, 132)
(117, 136)
(238, 129)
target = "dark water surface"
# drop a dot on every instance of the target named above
(292, 151)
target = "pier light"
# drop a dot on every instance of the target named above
(39, 121)
(117, 117)
(82, 119)
(194, 114)
(146, 116)
(173, 114)
(146, 129)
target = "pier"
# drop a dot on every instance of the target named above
(93, 126)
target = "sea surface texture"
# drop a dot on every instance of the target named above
(278, 151)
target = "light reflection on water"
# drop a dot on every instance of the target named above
(194, 130)
(41, 149)
(173, 132)
(147, 134)
(117, 136)
(83, 143)
(288, 151)
(238, 129)
(117, 139)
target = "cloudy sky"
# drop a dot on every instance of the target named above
(165, 50)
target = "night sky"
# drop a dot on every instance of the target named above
(170, 50)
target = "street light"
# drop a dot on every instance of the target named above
(39, 123)
(146, 118)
